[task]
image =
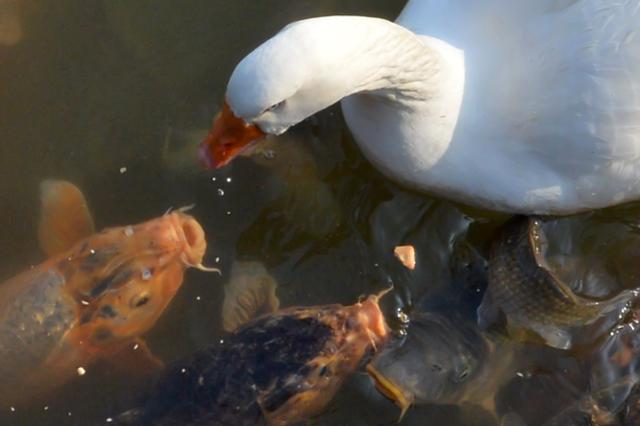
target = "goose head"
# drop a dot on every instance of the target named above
(303, 69)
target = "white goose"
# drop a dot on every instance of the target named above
(529, 106)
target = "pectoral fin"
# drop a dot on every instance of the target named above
(64, 218)
(136, 359)
(391, 390)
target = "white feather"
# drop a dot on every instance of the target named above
(529, 106)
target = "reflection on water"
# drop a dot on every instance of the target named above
(115, 96)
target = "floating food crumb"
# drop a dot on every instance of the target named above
(108, 420)
(123, 170)
(81, 371)
(406, 255)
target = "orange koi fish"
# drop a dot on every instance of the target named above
(93, 300)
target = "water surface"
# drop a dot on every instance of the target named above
(113, 95)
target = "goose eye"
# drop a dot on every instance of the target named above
(139, 300)
(274, 107)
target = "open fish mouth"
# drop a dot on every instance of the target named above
(189, 238)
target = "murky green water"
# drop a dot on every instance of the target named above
(113, 95)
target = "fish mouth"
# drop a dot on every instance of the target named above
(372, 317)
(190, 237)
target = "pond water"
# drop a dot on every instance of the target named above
(115, 95)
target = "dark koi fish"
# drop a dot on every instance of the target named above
(278, 369)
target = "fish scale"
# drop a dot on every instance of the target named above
(528, 292)
(525, 289)
(33, 323)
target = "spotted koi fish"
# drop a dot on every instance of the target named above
(93, 298)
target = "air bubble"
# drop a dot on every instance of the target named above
(269, 154)
(146, 274)
(402, 317)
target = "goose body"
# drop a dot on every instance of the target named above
(529, 106)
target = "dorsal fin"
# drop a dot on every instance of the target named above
(64, 216)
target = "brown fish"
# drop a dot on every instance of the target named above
(250, 292)
(278, 369)
(93, 301)
(533, 298)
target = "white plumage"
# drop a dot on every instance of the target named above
(528, 106)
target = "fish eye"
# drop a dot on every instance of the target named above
(140, 300)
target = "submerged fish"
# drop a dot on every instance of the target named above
(435, 363)
(250, 292)
(533, 298)
(279, 369)
(631, 412)
(11, 27)
(93, 300)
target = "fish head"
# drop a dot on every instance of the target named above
(343, 336)
(372, 319)
(123, 278)
(435, 363)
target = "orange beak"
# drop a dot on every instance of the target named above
(228, 137)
